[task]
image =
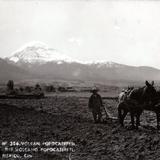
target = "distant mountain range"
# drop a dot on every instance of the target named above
(11, 71)
(36, 60)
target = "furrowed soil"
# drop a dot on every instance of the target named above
(67, 118)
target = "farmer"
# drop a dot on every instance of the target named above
(95, 105)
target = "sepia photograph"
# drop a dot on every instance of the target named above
(79, 79)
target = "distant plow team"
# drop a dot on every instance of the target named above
(132, 100)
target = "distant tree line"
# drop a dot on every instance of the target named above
(11, 89)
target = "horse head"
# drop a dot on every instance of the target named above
(149, 92)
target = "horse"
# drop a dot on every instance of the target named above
(136, 102)
(155, 107)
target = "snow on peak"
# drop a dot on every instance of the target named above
(38, 52)
(107, 64)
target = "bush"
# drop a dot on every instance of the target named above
(21, 89)
(28, 89)
(10, 85)
(62, 89)
(50, 88)
(37, 86)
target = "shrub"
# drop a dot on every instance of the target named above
(50, 88)
(62, 89)
(28, 89)
(10, 85)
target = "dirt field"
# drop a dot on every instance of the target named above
(66, 118)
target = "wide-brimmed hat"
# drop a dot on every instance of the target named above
(94, 89)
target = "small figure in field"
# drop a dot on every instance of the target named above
(95, 105)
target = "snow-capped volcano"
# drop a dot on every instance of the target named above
(38, 52)
(33, 58)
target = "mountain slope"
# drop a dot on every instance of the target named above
(11, 71)
(46, 62)
(78, 71)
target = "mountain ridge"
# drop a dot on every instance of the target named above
(37, 52)
(40, 60)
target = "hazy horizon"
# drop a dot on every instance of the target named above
(125, 32)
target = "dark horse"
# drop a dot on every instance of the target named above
(138, 100)
(155, 107)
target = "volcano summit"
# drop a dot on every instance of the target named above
(38, 52)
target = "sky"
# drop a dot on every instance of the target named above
(126, 32)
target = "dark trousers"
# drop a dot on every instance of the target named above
(96, 115)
